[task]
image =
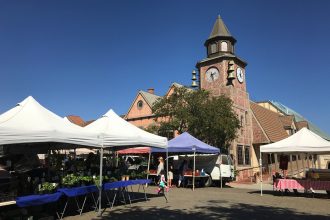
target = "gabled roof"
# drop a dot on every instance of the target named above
(287, 120)
(150, 98)
(270, 122)
(76, 120)
(259, 135)
(177, 85)
(298, 117)
(302, 124)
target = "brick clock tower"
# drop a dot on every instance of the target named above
(222, 72)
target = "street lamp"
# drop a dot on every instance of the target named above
(195, 82)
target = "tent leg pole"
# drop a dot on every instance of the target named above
(308, 165)
(100, 184)
(260, 163)
(291, 165)
(117, 159)
(220, 173)
(297, 164)
(275, 162)
(303, 163)
(194, 170)
(167, 170)
(148, 165)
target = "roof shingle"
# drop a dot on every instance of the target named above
(76, 120)
(270, 122)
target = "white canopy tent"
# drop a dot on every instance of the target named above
(116, 132)
(30, 122)
(304, 141)
(301, 142)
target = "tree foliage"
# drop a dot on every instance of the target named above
(210, 119)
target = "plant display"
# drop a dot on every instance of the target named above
(48, 187)
(71, 180)
(97, 180)
(86, 180)
(113, 179)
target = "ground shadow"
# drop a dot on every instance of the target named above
(292, 194)
(213, 209)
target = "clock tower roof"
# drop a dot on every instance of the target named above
(220, 31)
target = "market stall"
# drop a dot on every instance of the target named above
(31, 127)
(304, 141)
(116, 133)
(186, 143)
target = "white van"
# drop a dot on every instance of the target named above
(211, 164)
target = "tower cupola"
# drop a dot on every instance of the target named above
(220, 40)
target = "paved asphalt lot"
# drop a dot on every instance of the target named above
(241, 202)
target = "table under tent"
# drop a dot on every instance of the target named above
(186, 143)
(303, 142)
(181, 145)
(31, 127)
(116, 133)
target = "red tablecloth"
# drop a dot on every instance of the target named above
(302, 184)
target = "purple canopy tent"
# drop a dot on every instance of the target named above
(185, 143)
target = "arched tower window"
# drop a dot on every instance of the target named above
(213, 48)
(224, 46)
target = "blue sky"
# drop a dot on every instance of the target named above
(84, 57)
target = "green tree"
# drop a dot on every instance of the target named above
(210, 119)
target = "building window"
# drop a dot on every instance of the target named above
(140, 104)
(243, 155)
(240, 158)
(213, 48)
(246, 118)
(247, 155)
(224, 46)
(242, 119)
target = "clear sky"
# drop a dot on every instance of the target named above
(85, 57)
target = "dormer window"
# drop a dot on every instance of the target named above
(224, 46)
(213, 48)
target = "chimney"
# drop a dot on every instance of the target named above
(151, 91)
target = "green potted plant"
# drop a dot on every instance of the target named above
(47, 187)
(71, 180)
(86, 180)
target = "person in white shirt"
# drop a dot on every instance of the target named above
(160, 168)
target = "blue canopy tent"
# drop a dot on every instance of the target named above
(185, 143)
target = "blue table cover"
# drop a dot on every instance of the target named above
(35, 200)
(141, 181)
(78, 191)
(118, 184)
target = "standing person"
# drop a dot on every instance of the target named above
(160, 168)
(170, 176)
(182, 169)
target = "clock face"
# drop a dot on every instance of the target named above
(212, 74)
(240, 75)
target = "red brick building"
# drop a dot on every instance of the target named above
(223, 72)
